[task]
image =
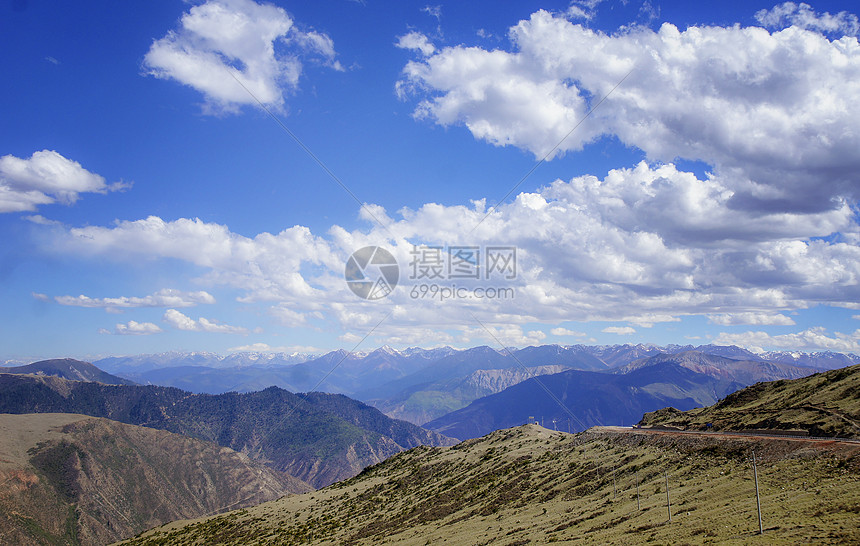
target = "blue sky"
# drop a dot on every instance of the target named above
(148, 202)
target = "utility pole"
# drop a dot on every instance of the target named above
(757, 499)
(668, 504)
(614, 491)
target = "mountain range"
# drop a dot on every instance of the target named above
(575, 400)
(317, 437)
(68, 368)
(89, 460)
(419, 385)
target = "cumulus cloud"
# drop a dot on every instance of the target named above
(620, 330)
(183, 322)
(583, 254)
(417, 41)
(266, 348)
(46, 177)
(752, 318)
(772, 112)
(564, 332)
(290, 317)
(582, 9)
(802, 15)
(813, 339)
(221, 41)
(267, 267)
(770, 229)
(134, 328)
(648, 320)
(163, 298)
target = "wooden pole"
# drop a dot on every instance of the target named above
(757, 499)
(668, 504)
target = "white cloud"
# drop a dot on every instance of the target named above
(771, 112)
(43, 178)
(802, 15)
(133, 328)
(564, 332)
(417, 41)
(221, 41)
(433, 11)
(289, 317)
(620, 330)
(583, 254)
(813, 339)
(753, 318)
(266, 348)
(500, 335)
(163, 298)
(648, 320)
(582, 9)
(266, 266)
(183, 322)
(41, 297)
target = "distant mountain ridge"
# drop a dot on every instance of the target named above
(416, 384)
(588, 399)
(745, 372)
(320, 438)
(68, 368)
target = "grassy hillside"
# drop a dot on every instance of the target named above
(319, 438)
(824, 404)
(532, 485)
(73, 479)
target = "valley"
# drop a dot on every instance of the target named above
(353, 475)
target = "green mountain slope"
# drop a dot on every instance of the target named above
(529, 485)
(319, 438)
(824, 404)
(73, 479)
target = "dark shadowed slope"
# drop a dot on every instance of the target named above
(590, 398)
(320, 438)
